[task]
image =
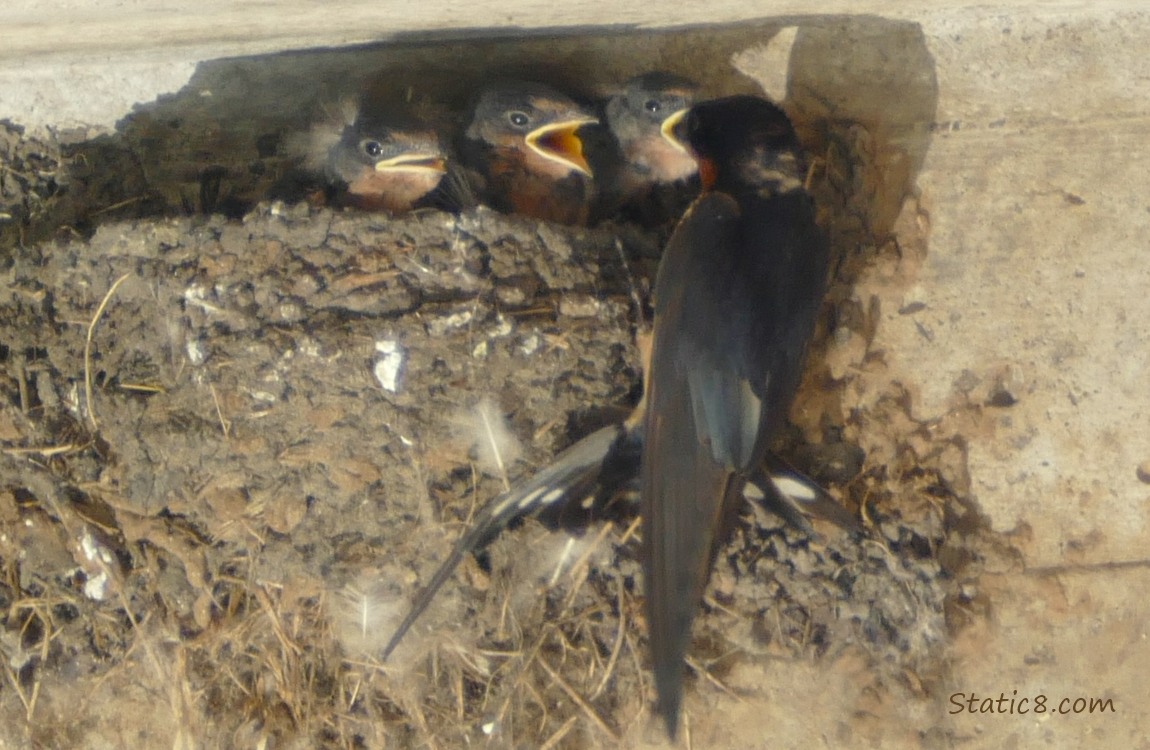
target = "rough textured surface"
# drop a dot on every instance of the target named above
(267, 444)
(985, 350)
(1034, 292)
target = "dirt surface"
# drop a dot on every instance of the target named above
(233, 449)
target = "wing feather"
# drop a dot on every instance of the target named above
(737, 296)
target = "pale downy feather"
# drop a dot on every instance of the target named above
(366, 611)
(311, 147)
(489, 433)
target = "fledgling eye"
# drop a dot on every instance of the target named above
(652, 105)
(372, 148)
(518, 119)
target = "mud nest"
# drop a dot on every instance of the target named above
(233, 449)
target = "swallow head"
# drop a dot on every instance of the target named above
(536, 122)
(387, 163)
(388, 148)
(744, 141)
(644, 118)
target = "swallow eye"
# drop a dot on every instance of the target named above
(372, 148)
(652, 105)
(518, 119)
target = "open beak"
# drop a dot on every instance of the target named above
(668, 130)
(416, 162)
(559, 143)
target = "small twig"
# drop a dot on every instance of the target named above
(88, 348)
(357, 281)
(630, 532)
(35, 607)
(47, 451)
(578, 699)
(503, 612)
(269, 609)
(15, 680)
(539, 701)
(545, 428)
(615, 649)
(637, 668)
(22, 384)
(121, 204)
(526, 658)
(560, 733)
(143, 388)
(460, 701)
(706, 675)
(224, 424)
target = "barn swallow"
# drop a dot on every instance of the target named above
(648, 179)
(524, 150)
(377, 158)
(737, 296)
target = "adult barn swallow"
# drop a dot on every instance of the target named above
(377, 158)
(648, 178)
(737, 296)
(525, 153)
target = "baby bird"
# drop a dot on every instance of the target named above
(524, 154)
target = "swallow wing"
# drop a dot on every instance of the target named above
(793, 496)
(576, 473)
(737, 295)
(598, 466)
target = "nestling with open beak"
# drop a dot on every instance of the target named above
(650, 181)
(525, 154)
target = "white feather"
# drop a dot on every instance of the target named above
(490, 434)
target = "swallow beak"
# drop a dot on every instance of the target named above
(672, 132)
(415, 162)
(560, 143)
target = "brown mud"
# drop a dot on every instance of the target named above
(233, 448)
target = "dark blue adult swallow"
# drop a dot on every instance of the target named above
(737, 296)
